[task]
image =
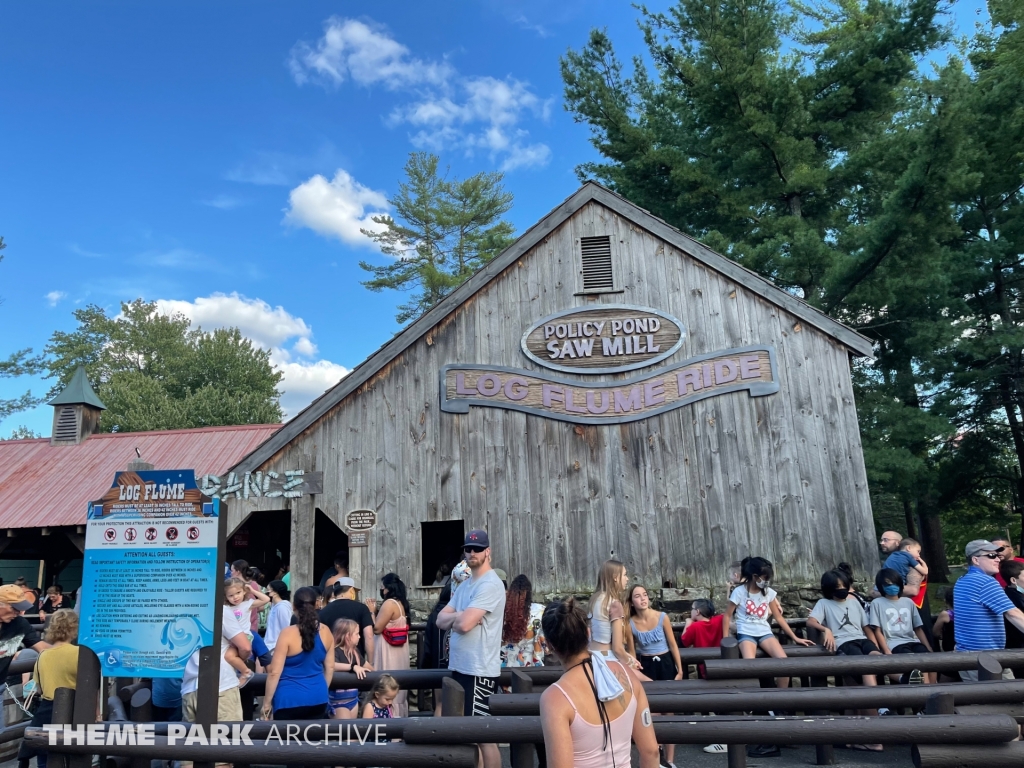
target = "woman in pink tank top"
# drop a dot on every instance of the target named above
(581, 730)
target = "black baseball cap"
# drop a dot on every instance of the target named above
(477, 538)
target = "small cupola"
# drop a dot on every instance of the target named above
(76, 411)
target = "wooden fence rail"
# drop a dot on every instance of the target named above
(720, 669)
(798, 699)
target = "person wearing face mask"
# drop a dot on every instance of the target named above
(752, 603)
(391, 648)
(894, 623)
(842, 621)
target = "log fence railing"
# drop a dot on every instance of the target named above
(978, 718)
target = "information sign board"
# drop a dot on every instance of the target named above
(361, 520)
(151, 580)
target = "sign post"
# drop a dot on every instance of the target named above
(152, 575)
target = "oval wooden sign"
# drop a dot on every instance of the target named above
(361, 520)
(605, 338)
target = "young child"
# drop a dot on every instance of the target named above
(703, 629)
(344, 703)
(844, 624)
(382, 700)
(906, 557)
(235, 591)
(894, 621)
(753, 603)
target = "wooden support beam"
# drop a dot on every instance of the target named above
(453, 699)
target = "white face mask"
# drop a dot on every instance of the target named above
(1019, 587)
(762, 584)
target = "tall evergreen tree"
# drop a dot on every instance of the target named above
(982, 368)
(801, 141)
(445, 230)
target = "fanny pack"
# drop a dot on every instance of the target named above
(396, 635)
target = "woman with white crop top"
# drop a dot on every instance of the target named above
(607, 616)
(582, 727)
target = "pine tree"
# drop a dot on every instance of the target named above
(445, 230)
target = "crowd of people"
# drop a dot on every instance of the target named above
(481, 623)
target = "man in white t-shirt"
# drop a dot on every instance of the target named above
(229, 703)
(475, 616)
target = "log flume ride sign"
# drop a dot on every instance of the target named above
(752, 369)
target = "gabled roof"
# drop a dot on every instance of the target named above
(52, 485)
(78, 390)
(589, 192)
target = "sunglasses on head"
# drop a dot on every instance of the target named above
(473, 550)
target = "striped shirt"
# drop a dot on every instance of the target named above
(980, 605)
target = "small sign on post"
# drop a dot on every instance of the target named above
(153, 535)
(361, 539)
(361, 520)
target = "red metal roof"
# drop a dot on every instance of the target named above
(44, 485)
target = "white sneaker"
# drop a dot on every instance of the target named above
(716, 749)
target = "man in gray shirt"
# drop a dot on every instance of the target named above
(475, 616)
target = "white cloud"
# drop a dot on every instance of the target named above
(365, 54)
(448, 110)
(55, 297)
(337, 208)
(270, 328)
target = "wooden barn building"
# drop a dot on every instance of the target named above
(605, 388)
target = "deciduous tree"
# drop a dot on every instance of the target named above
(155, 371)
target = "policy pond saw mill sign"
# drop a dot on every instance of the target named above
(602, 340)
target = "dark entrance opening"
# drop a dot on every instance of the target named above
(328, 539)
(441, 550)
(263, 540)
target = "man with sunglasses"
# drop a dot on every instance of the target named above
(475, 615)
(981, 605)
(1008, 553)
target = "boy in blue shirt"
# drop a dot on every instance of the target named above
(906, 557)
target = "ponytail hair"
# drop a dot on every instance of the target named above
(565, 627)
(565, 630)
(752, 567)
(304, 607)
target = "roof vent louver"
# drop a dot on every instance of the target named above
(596, 253)
(67, 424)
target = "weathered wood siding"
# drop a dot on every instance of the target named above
(676, 496)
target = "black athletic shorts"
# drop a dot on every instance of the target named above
(478, 691)
(911, 648)
(857, 648)
(660, 667)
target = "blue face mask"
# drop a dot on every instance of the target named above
(891, 590)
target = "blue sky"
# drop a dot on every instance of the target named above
(219, 157)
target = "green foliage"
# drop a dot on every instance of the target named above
(445, 231)
(20, 363)
(803, 141)
(154, 371)
(22, 433)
